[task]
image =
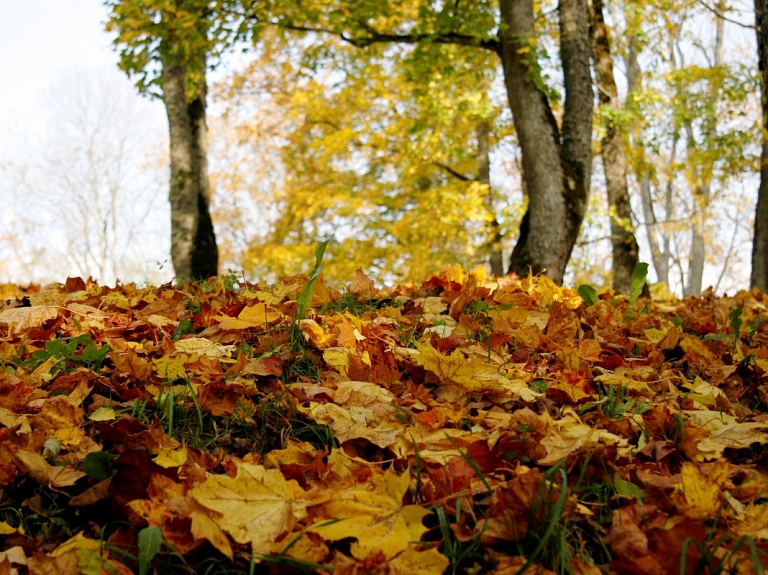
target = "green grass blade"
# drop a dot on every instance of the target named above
(471, 463)
(305, 297)
(150, 540)
(558, 512)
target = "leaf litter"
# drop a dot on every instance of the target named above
(464, 425)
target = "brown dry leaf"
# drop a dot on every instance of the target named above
(734, 435)
(590, 350)
(513, 565)
(64, 564)
(568, 435)
(374, 514)
(93, 494)
(358, 422)
(128, 361)
(356, 393)
(362, 286)
(21, 319)
(270, 365)
(11, 555)
(40, 470)
(203, 347)
(256, 506)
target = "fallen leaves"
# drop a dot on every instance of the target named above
(256, 506)
(470, 423)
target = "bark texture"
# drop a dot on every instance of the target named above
(701, 185)
(624, 244)
(193, 242)
(493, 245)
(556, 165)
(759, 277)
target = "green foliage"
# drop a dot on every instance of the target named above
(304, 301)
(627, 488)
(588, 294)
(153, 33)
(616, 404)
(67, 353)
(462, 554)
(98, 465)
(150, 540)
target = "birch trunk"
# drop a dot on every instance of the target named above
(193, 242)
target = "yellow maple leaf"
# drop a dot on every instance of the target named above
(472, 374)
(375, 515)
(169, 457)
(413, 562)
(701, 489)
(338, 358)
(203, 527)
(357, 422)
(256, 506)
(260, 315)
(172, 367)
(568, 435)
(103, 414)
(79, 541)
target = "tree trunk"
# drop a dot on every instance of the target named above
(484, 177)
(760, 239)
(657, 242)
(556, 167)
(624, 245)
(193, 243)
(702, 178)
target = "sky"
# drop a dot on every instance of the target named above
(39, 40)
(52, 52)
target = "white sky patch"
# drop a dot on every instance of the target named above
(38, 39)
(50, 45)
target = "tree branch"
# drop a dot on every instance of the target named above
(453, 172)
(374, 37)
(721, 15)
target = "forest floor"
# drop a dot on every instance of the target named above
(462, 425)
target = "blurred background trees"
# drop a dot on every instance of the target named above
(87, 198)
(386, 126)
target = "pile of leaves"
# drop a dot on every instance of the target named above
(464, 425)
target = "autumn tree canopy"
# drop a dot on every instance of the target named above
(354, 120)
